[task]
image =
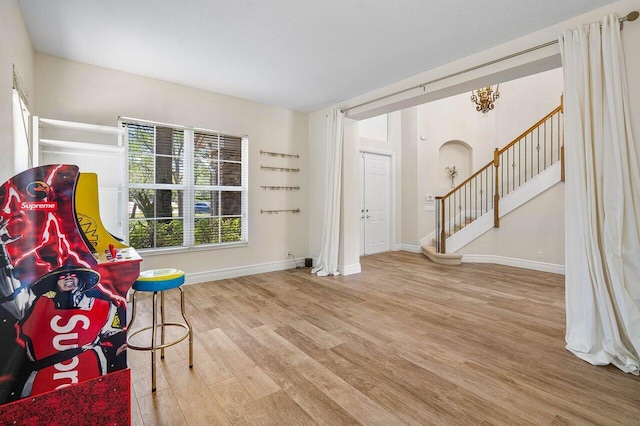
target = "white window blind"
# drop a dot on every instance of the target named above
(187, 187)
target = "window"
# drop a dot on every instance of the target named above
(187, 187)
(22, 156)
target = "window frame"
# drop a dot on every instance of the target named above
(189, 188)
(23, 154)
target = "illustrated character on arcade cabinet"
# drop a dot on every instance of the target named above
(70, 330)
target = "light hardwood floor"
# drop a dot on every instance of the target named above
(407, 341)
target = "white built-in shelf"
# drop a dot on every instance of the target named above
(82, 146)
(94, 128)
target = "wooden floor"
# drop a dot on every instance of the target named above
(407, 341)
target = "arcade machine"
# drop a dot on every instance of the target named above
(63, 286)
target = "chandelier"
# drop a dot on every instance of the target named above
(484, 98)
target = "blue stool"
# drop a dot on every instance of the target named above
(159, 281)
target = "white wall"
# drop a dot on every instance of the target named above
(348, 256)
(15, 49)
(524, 101)
(374, 128)
(84, 93)
(409, 178)
(317, 173)
(394, 135)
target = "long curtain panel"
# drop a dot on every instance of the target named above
(327, 263)
(602, 200)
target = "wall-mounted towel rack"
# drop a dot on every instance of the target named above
(281, 169)
(294, 188)
(279, 154)
(278, 211)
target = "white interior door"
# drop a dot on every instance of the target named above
(376, 203)
(362, 215)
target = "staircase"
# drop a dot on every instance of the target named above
(524, 168)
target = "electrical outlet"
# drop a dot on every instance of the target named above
(288, 253)
(539, 255)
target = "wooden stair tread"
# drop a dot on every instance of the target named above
(441, 258)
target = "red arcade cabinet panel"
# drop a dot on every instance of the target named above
(98, 401)
(62, 303)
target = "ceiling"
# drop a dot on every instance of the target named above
(299, 54)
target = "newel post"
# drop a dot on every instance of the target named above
(440, 235)
(496, 192)
(562, 165)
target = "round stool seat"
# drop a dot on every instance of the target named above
(159, 279)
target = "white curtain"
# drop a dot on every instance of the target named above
(328, 260)
(602, 200)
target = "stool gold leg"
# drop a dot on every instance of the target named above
(184, 315)
(153, 342)
(162, 323)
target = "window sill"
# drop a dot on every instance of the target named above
(175, 250)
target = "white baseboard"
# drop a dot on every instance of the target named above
(428, 240)
(510, 261)
(240, 271)
(206, 276)
(408, 247)
(350, 269)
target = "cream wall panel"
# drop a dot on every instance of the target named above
(84, 93)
